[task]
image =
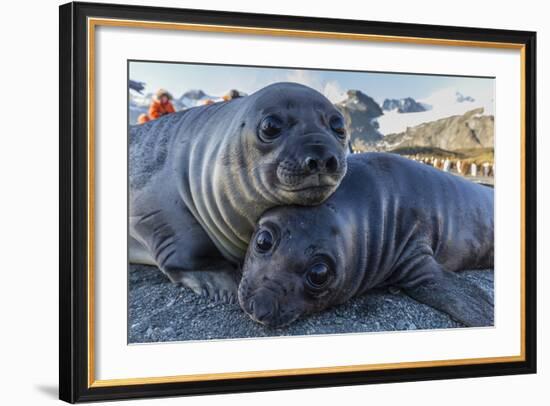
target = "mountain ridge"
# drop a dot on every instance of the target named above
(470, 130)
(404, 105)
(360, 113)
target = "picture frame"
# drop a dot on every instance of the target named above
(78, 162)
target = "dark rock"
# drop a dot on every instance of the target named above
(161, 311)
(360, 112)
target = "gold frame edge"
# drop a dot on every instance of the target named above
(91, 25)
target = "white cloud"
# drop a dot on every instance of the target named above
(334, 92)
(330, 89)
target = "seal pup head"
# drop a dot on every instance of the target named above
(297, 142)
(297, 263)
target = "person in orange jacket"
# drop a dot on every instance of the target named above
(232, 94)
(160, 106)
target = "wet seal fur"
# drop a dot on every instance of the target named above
(392, 223)
(200, 179)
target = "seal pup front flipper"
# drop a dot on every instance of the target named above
(444, 290)
(218, 284)
(183, 252)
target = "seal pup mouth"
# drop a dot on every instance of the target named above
(269, 317)
(318, 179)
(315, 181)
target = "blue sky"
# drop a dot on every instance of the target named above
(216, 80)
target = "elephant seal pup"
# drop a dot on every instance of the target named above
(200, 179)
(392, 223)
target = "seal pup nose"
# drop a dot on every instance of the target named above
(262, 309)
(315, 165)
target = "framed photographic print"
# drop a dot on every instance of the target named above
(255, 202)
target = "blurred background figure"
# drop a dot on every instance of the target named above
(446, 165)
(473, 169)
(232, 94)
(160, 106)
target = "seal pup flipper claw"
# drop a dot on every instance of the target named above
(458, 297)
(219, 285)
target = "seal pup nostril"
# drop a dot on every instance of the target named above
(311, 164)
(331, 164)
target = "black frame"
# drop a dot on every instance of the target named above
(73, 290)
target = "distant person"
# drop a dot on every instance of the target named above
(232, 94)
(160, 106)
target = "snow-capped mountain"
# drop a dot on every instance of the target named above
(194, 94)
(406, 105)
(444, 103)
(138, 99)
(447, 119)
(193, 98)
(361, 113)
(403, 118)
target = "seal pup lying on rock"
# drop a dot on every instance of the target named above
(200, 179)
(392, 223)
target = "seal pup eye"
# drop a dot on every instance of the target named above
(317, 276)
(264, 241)
(271, 127)
(338, 126)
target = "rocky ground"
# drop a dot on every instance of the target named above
(160, 311)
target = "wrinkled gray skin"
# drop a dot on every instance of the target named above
(200, 179)
(392, 222)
